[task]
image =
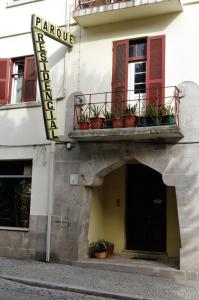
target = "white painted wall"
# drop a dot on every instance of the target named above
(93, 71)
(23, 127)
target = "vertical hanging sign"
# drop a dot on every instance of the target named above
(40, 28)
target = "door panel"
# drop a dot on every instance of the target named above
(145, 210)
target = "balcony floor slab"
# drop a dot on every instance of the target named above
(166, 133)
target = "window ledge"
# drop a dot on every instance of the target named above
(12, 3)
(20, 105)
(13, 228)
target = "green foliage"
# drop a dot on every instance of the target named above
(155, 110)
(116, 115)
(95, 110)
(84, 117)
(169, 110)
(108, 115)
(130, 110)
(97, 247)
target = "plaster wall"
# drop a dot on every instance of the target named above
(94, 45)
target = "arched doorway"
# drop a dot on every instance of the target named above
(136, 211)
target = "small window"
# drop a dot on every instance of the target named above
(140, 77)
(17, 80)
(137, 48)
(15, 193)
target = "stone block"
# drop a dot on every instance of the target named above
(191, 275)
(189, 259)
(6, 238)
(17, 237)
(188, 216)
(189, 239)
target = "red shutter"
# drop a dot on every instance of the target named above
(119, 75)
(5, 65)
(155, 82)
(30, 80)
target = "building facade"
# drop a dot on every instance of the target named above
(135, 186)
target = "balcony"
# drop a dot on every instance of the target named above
(97, 12)
(127, 116)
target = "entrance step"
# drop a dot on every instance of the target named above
(143, 255)
(133, 266)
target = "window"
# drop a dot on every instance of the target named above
(138, 72)
(17, 80)
(15, 193)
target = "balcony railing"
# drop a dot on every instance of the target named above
(97, 12)
(80, 4)
(154, 107)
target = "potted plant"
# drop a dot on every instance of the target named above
(84, 121)
(141, 119)
(154, 114)
(96, 121)
(169, 115)
(129, 117)
(110, 247)
(116, 120)
(108, 119)
(98, 249)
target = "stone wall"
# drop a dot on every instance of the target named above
(26, 244)
(178, 163)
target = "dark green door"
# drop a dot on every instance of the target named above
(145, 210)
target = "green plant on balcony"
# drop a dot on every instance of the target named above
(169, 115)
(155, 113)
(84, 121)
(97, 122)
(129, 116)
(108, 119)
(116, 120)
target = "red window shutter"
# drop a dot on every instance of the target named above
(30, 80)
(119, 75)
(155, 81)
(5, 65)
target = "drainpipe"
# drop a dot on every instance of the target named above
(50, 198)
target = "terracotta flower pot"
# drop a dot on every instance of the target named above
(97, 123)
(129, 121)
(101, 255)
(83, 125)
(117, 123)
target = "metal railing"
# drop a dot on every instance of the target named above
(81, 4)
(151, 106)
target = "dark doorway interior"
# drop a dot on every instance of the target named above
(145, 210)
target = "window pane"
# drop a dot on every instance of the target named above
(132, 51)
(140, 67)
(15, 202)
(141, 49)
(137, 48)
(139, 88)
(140, 78)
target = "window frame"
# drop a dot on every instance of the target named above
(19, 176)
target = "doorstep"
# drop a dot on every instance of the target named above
(119, 263)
